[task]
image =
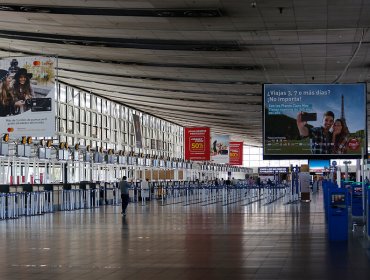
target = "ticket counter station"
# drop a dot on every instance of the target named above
(8, 207)
(326, 187)
(95, 194)
(109, 192)
(57, 196)
(356, 200)
(338, 214)
(88, 195)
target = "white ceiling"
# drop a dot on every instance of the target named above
(194, 70)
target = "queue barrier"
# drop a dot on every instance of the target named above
(15, 204)
(74, 199)
(40, 199)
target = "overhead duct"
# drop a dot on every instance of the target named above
(102, 11)
(181, 45)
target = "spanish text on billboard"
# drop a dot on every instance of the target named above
(314, 121)
(236, 153)
(197, 141)
(27, 96)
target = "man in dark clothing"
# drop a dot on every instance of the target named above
(321, 138)
(228, 182)
(124, 186)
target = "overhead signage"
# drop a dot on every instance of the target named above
(27, 105)
(272, 170)
(220, 148)
(137, 126)
(236, 153)
(197, 143)
(296, 169)
(318, 121)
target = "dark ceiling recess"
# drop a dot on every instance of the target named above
(136, 63)
(183, 80)
(184, 12)
(181, 45)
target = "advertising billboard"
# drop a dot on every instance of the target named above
(137, 127)
(197, 140)
(27, 106)
(319, 166)
(220, 148)
(320, 121)
(236, 153)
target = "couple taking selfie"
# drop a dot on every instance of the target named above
(330, 138)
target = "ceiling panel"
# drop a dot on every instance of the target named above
(203, 70)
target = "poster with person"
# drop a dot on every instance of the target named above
(27, 94)
(220, 148)
(314, 121)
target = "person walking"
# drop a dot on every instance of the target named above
(124, 186)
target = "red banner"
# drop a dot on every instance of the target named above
(197, 143)
(236, 153)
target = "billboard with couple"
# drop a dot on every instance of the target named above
(314, 121)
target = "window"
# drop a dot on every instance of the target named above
(86, 116)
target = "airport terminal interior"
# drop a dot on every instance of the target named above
(235, 130)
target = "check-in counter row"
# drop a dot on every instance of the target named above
(57, 196)
(5, 188)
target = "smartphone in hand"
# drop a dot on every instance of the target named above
(306, 117)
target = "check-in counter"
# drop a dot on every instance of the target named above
(109, 192)
(4, 188)
(57, 196)
(15, 188)
(100, 188)
(75, 186)
(86, 185)
(90, 194)
(37, 188)
(27, 188)
(74, 197)
(95, 194)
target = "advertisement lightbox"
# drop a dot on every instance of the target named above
(320, 121)
(29, 84)
(319, 165)
(219, 148)
(236, 153)
(197, 143)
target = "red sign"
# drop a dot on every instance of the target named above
(353, 144)
(197, 143)
(236, 153)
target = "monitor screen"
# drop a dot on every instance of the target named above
(42, 153)
(338, 200)
(319, 165)
(319, 121)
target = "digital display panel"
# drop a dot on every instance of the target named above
(319, 121)
(319, 166)
(338, 200)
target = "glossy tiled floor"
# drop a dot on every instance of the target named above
(239, 241)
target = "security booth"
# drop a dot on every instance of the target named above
(338, 214)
